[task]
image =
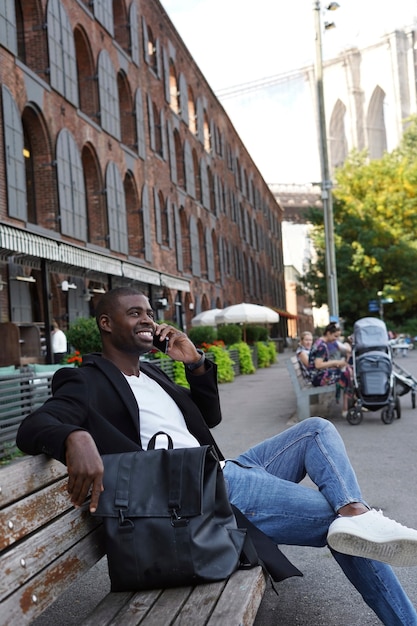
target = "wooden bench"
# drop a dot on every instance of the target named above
(304, 390)
(46, 545)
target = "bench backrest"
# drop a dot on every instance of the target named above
(45, 544)
(296, 373)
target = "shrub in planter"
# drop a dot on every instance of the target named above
(256, 333)
(83, 335)
(202, 334)
(224, 364)
(264, 355)
(272, 351)
(231, 333)
(245, 357)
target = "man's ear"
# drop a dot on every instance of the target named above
(104, 322)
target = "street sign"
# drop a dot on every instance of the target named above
(373, 306)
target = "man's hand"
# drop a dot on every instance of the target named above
(180, 347)
(85, 469)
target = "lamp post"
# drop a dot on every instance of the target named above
(326, 183)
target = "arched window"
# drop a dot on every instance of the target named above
(195, 247)
(206, 130)
(109, 103)
(127, 120)
(197, 177)
(375, 125)
(15, 162)
(121, 25)
(97, 222)
(135, 232)
(157, 130)
(179, 157)
(62, 64)
(116, 209)
(32, 38)
(150, 48)
(174, 91)
(192, 119)
(165, 221)
(40, 167)
(337, 136)
(71, 190)
(87, 85)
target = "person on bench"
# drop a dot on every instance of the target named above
(99, 407)
(325, 370)
(303, 352)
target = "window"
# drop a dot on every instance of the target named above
(116, 209)
(140, 124)
(174, 89)
(134, 35)
(15, 162)
(151, 48)
(8, 25)
(109, 103)
(127, 120)
(87, 84)
(62, 64)
(103, 12)
(71, 189)
(146, 215)
(192, 118)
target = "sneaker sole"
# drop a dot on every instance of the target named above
(400, 552)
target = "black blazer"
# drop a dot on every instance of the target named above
(96, 397)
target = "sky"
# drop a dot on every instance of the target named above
(241, 41)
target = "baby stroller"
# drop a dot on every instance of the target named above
(373, 376)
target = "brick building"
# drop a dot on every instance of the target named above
(120, 167)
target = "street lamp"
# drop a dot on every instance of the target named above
(326, 183)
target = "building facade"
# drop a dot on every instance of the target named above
(119, 167)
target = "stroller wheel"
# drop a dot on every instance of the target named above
(354, 416)
(398, 407)
(387, 415)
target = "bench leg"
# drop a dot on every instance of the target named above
(303, 407)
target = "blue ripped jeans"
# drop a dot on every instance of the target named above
(268, 492)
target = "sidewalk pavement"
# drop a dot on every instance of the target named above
(259, 406)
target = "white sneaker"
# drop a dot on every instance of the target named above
(373, 536)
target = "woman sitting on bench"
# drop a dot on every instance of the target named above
(326, 371)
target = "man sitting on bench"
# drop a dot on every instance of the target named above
(99, 407)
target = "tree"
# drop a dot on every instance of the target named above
(375, 218)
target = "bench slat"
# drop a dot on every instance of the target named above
(25, 516)
(37, 550)
(34, 597)
(26, 475)
(240, 601)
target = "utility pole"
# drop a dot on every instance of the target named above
(326, 183)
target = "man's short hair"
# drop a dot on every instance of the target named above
(110, 300)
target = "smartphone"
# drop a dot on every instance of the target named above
(161, 344)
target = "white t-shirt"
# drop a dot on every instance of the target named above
(59, 341)
(158, 411)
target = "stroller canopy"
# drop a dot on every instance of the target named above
(370, 332)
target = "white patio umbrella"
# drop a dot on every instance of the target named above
(246, 313)
(205, 318)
